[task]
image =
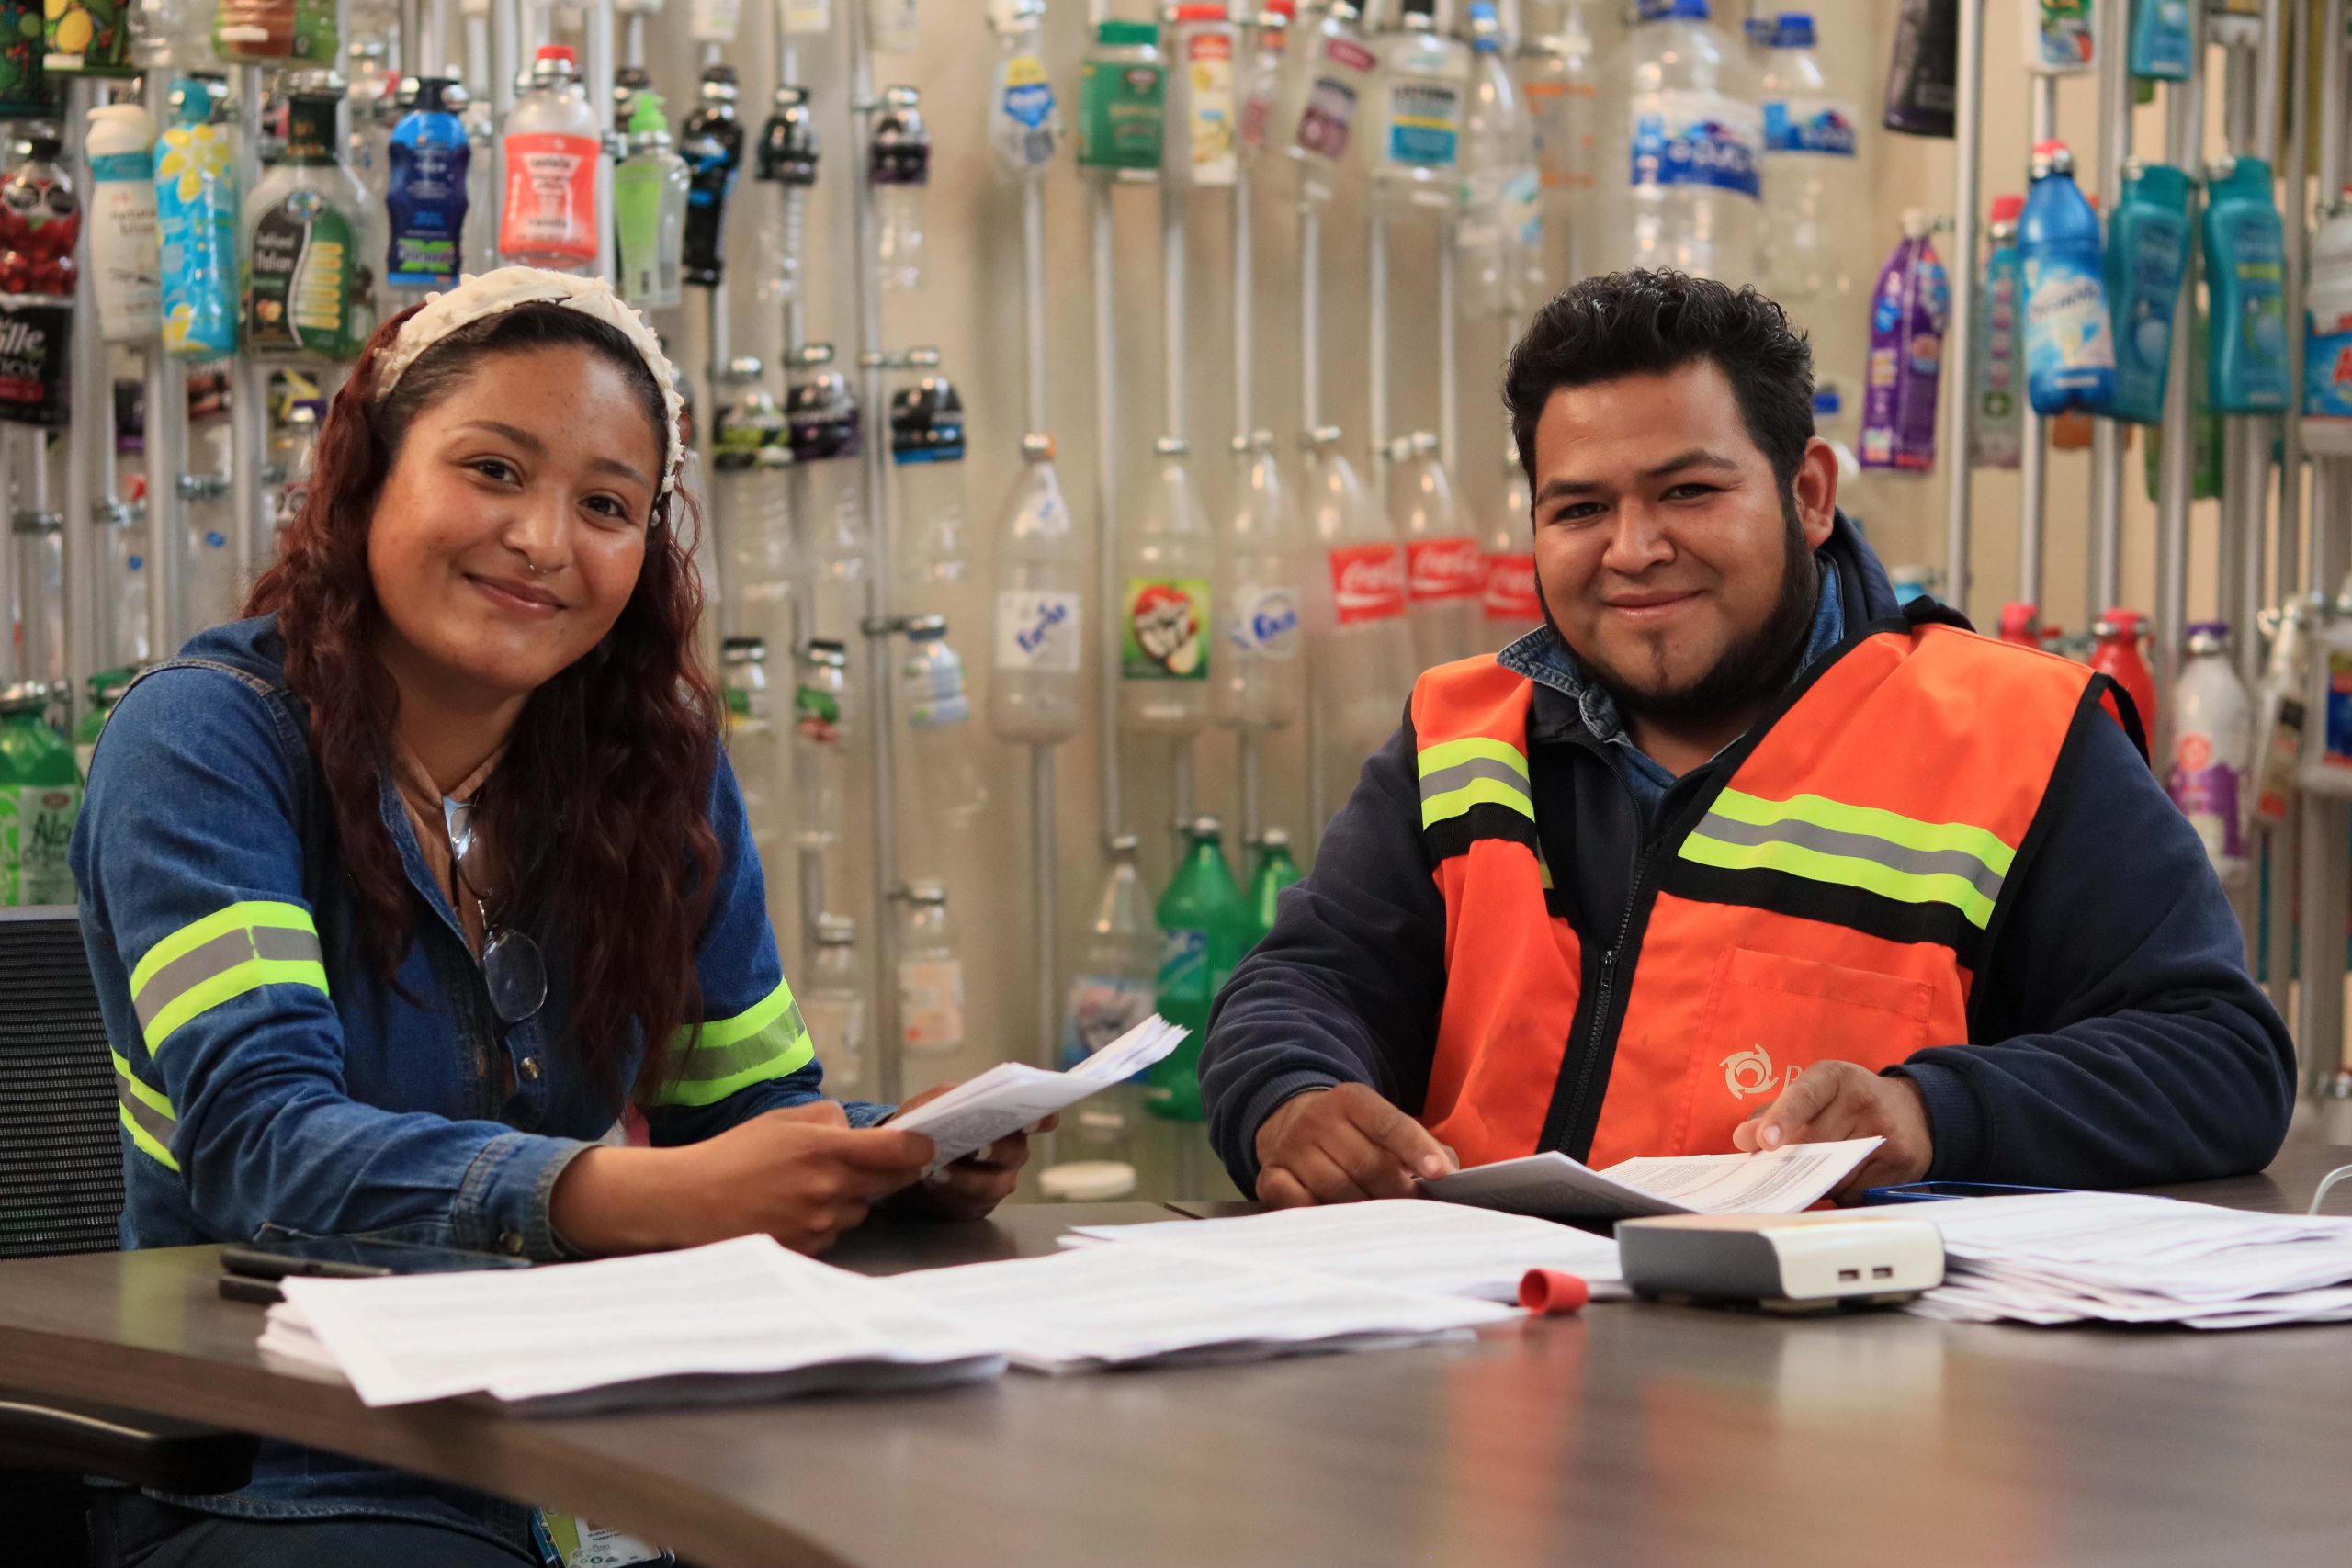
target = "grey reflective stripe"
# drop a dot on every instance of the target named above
(1856, 846)
(1447, 780)
(151, 1121)
(219, 955)
(725, 1061)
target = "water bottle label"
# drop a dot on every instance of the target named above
(1686, 136)
(1209, 127)
(1038, 632)
(1119, 115)
(1184, 965)
(817, 715)
(1028, 102)
(1160, 636)
(2273, 766)
(805, 17)
(2206, 790)
(2337, 734)
(1101, 1008)
(1443, 570)
(1824, 126)
(1330, 109)
(2066, 328)
(1522, 209)
(1264, 622)
(1424, 124)
(2061, 36)
(933, 688)
(35, 824)
(550, 197)
(714, 21)
(1367, 583)
(1509, 589)
(931, 1004)
(2327, 371)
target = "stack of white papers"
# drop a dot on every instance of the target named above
(742, 1319)
(1011, 1096)
(1403, 1242)
(1553, 1186)
(2117, 1257)
(1091, 1307)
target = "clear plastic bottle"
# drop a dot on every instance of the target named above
(1326, 75)
(1362, 644)
(711, 142)
(895, 27)
(752, 504)
(40, 589)
(1680, 171)
(651, 189)
(788, 160)
(1415, 147)
(1261, 87)
(482, 217)
(1112, 981)
(1442, 574)
(1024, 122)
(1169, 556)
(1198, 147)
(754, 746)
(1499, 234)
(1259, 682)
(1509, 604)
(551, 142)
(1033, 691)
(927, 489)
(945, 752)
(2212, 722)
(832, 1006)
(1560, 81)
(931, 973)
(899, 164)
(213, 588)
(821, 724)
(1812, 175)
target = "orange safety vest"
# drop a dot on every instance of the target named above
(1829, 897)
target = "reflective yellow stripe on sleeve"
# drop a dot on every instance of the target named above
(219, 959)
(146, 1114)
(765, 1041)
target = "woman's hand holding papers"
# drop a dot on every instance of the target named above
(1833, 1101)
(973, 1186)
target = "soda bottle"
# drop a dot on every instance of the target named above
(1327, 74)
(1260, 89)
(1274, 870)
(1260, 681)
(753, 746)
(40, 794)
(551, 142)
(899, 167)
(1118, 962)
(1170, 556)
(197, 215)
(1681, 177)
(945, 749)
(1040, 639)
(2211, 747)
(2116, 654)
(1023, 122)
(712, 146)
(1197, 146)
(1510, 605)
(1415, 145)
(751, 501)
(1204, 931)
(788, 160)
(2069, 346)
(1500, 233)
(1364, 664)
(106, 690)
(1445, 580)
(832, 1006)
(426, 161)
(1560, 81)
(1811, 177)
(821, 737)
(931, 973)
(652, 190)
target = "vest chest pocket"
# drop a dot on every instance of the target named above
(1767, 1017)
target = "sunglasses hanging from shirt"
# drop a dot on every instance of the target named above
(511, 964)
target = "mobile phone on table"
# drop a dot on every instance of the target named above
(1937, 1191)
(251, 1269)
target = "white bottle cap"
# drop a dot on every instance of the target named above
(1088, 1181)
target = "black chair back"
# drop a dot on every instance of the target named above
(61, 1156)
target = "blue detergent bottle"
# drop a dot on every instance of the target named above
(2245, 281)
(426, 191)
(2069, 350)
(2147, 252)
(2161, 40)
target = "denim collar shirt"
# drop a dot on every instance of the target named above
(274, 1084)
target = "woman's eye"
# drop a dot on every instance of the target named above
(610, 508)
(494, 468)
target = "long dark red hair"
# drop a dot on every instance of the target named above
(599, 809)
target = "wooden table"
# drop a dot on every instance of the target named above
(1634, 1434)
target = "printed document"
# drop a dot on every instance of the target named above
(1554, 1187)
(1011, 1096)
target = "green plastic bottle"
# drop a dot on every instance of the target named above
(106, 690)
(40, 794)
(1274, 871)
(1205, 929)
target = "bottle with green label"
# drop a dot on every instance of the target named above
(40, 794)
(1204, 930)
(1122, 106)
(308, 269)
(106, 690)
(650, 190)
(1270, 871)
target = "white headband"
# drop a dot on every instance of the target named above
(493, 292)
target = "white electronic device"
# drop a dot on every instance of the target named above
(1783, 1262)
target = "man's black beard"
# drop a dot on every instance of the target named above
(1752, 669)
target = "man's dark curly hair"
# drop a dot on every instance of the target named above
(1646, 323)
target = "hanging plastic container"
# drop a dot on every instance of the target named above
(2069, 342)
(1122, 103)
(786, 158)
(2245, 275)
(1913, 304)
(2147, 255)
(899, 167)
(552, 143)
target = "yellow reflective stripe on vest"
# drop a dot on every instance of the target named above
(766, 1041)
(219, 959)
(146, 1113)
(1474, 771)
(1855, 846)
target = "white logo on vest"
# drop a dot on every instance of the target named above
(1750, 1072)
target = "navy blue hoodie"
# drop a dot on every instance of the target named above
(2116, 1038)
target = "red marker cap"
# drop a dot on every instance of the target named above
(1550, 1291)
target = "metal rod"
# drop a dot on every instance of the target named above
(1376, 350)
(2231, 539)
(1245, 306)
(1106, 525)
(85, 455)
(1044, 925)
(715, 521)
(1180, 774)
(602, 63)
(633, 40)
(2184, 134)
(2286, 570)
(1033, 297)
(1960, 362)
(249, 384)
(1310, 316)
(2249, 494)
(1171, 310)
(1254, 773)
(1449, 354)
(2106, 575)
(2033, 466)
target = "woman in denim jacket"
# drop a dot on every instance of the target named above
(403, 891)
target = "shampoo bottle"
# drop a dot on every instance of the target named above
(2245, 277)
(2147, 252)
(195, 211)
(2161, 40)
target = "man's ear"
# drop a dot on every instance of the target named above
(1815, 490)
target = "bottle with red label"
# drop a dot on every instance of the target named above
(2021, 624)
(2117, 655)
(1442, 573)
(1165, 655)
(551, 142)
(1362, 644)
(1509, 604)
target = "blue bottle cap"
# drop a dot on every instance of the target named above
(1793, 29)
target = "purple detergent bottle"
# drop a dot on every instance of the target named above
(1908, 311)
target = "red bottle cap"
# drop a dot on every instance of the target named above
(2019, 623)
(2046, 149)
(1551, 1292)
(2008, 208)
(559, 51)
(1201, 11)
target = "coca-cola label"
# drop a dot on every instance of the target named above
(1442, 569)
(1510, 590)
(1367, 583)
(1161, 638)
